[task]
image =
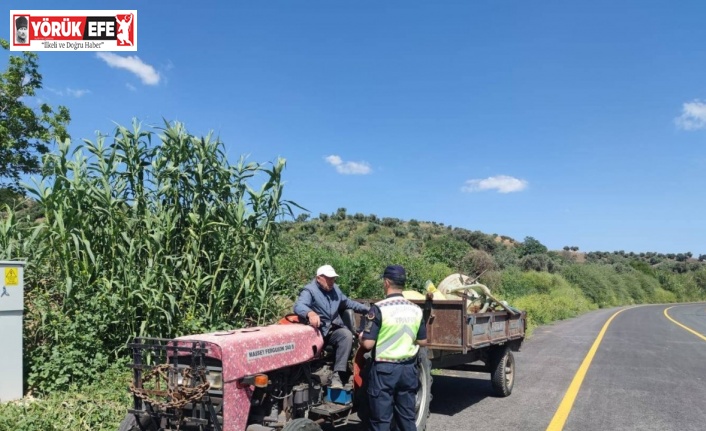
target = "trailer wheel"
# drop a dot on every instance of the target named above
(302, 424)
(424, 393)
(503, 372)
(129, 423)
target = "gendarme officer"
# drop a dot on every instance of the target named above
(394, 329)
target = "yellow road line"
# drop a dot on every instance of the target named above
(683, 326)
(562, 413)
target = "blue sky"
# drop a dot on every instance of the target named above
(577, 123)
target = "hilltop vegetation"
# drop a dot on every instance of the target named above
(548, 284)
(362, 244)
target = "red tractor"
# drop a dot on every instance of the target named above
(268, 378)
(277, 377)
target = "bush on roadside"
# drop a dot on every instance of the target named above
(560, 303)
(594, 282)
(96, 407)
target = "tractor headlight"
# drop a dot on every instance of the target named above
(215, 379)
(181, 381)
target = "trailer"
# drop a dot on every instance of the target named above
(479, 342)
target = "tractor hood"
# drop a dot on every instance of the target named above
(250, 351)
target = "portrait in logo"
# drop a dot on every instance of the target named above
(22, 30)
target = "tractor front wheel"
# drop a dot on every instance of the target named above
(129, 423)
(302, 424)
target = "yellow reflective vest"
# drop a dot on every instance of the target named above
(400, 322)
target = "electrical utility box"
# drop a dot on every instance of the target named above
(11, 312)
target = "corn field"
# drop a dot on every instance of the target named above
(149, 233)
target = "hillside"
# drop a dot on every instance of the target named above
(433, 249)
(549, 284)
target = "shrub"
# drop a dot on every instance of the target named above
(516, 284)
(593, 280)
(445, 250)
(537, 262)
(649, 285)
(476, 262)
(531, 246)
(561, 303)
(505, 257)
(476, 239)
(661, 296)
(492, 279)
(512, 285)
(400, 232)
(390, 222)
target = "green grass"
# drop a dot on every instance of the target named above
(97, 407)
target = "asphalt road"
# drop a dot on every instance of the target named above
(647, 373)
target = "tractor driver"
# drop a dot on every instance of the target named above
(320, 302)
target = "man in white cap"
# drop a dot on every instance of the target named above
(321, 302)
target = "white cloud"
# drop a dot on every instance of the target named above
(144, 71)
(349, 168)
(76, 93)
(501, 183)
(69, 92)
(693, 116)
(130, 86)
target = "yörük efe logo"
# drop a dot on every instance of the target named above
(73, 30)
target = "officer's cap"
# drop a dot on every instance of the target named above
(396, 273)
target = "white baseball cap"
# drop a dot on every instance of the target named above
(326, 271)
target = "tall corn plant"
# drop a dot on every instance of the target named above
(150, 233)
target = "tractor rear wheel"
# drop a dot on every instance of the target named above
(424, 392)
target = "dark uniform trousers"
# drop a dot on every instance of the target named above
(393, 389)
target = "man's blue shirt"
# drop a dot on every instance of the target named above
(327, 305)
